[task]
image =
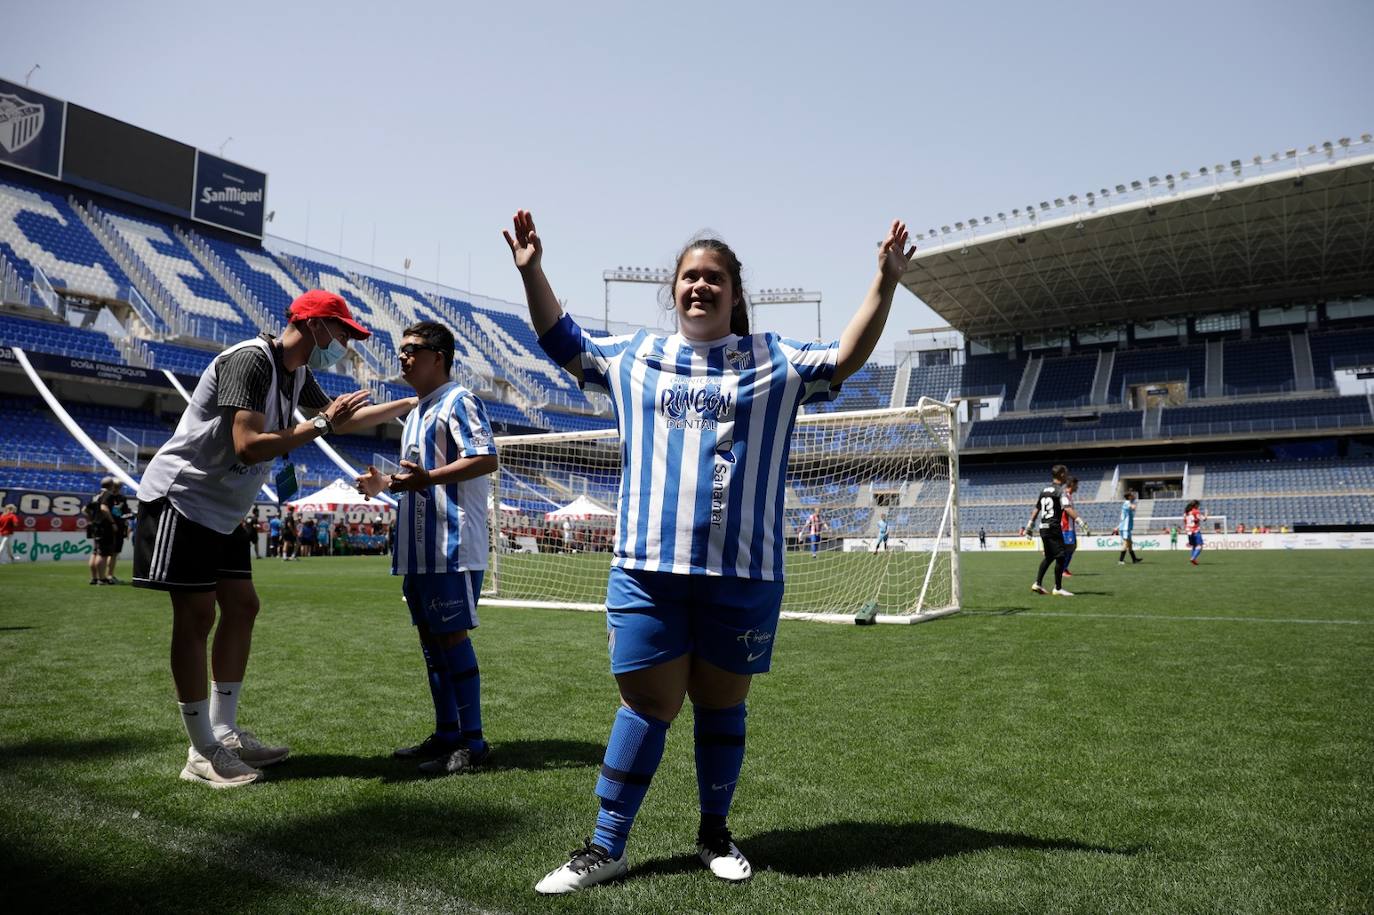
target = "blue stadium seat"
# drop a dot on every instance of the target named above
(1258, 366)
(59, 338)
(41, 228)
(1065, 381)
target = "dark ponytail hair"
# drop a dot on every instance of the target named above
(739, 310)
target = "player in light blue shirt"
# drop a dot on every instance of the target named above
(705, 417)
(1126, 527)
(442, 541)
(881, 542)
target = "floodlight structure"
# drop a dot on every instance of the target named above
(789, 296)
(653, 276)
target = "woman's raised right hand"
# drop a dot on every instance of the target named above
(525, 246)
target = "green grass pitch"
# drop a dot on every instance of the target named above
(1174, 739)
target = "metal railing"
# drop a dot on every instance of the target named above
(13, 288)
(238, 291)
(47, 294)
(1277, 424)
(144, 311)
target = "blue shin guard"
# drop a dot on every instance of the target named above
(461, 663)
(441, 692)
(632, 757)
(720, 755)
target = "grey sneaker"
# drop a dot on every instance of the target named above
(253, 751)
(223, 769)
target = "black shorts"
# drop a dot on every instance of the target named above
(174, 553)
(104, 537)
(1052, 542)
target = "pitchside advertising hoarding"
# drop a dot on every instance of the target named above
(31, 127)
(52, 526)
(1344, 540)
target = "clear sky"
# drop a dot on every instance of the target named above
(795, 130)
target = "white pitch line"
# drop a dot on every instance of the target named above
(1194, 619)
(299, 873)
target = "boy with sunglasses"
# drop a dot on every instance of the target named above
(441, 541)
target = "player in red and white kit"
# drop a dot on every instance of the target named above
(1193, 516)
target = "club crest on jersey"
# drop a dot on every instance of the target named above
(739, 359)
(696, 404)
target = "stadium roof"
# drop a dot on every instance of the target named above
(1295, 227)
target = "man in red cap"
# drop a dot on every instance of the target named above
(198, 488)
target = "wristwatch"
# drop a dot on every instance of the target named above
(322, 424)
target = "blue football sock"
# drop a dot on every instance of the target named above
(441, 691)
(461, 662)
(1197, 551)
(720, 754)
(632, 757)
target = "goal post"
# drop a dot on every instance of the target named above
(554, 499)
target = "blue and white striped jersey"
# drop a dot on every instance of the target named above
(444, 529)
(705, 430)
(1127, 515)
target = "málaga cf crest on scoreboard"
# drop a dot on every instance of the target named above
(20, 122)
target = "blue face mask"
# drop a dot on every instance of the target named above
(322, 360)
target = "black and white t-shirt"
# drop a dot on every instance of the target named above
(197, 470)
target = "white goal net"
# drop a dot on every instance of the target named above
(849, 476)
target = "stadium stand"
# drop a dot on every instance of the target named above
(56, 337)
(1035, 430)
(259, 271)
(208, 311)
(183, 360)
(1330, 347)
(40, 229)
(1255, 381)
(1158, 364)
(870, 388)
(1065, 381)
(1266, 416)
(1258, 366)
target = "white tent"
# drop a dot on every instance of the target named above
(580, 509)
(337, 496)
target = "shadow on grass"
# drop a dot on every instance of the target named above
(845, 847)
(530, 755)
(15, 628)
(48, 751)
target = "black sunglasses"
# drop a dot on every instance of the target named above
(410, 349)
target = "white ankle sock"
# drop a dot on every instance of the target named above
(224, 707)
(196, 717)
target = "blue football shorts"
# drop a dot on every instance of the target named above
(445, 602)
(655, 617)
(1195, 540)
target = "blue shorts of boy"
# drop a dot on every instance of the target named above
(656, 617)
(444, 602)
(1070, 536)
(1195, 540)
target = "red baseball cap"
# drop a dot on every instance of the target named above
(320, 303)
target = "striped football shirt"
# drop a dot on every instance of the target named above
(705, 430)
(444, 528)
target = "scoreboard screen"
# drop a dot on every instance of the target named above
(106, 154)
